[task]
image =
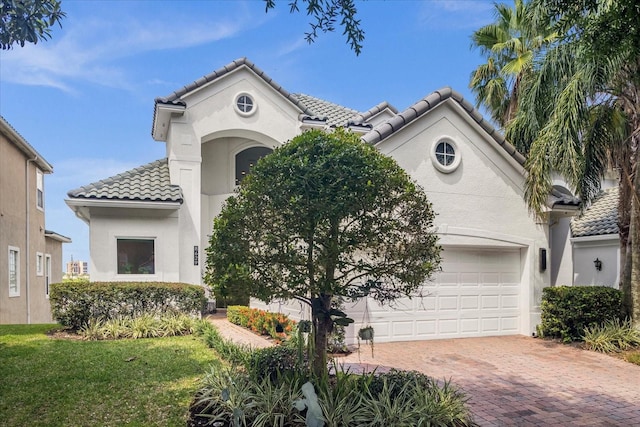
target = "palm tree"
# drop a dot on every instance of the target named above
(510, 45)
(579, 115)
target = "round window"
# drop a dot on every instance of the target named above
(445, 155)
(245, 105)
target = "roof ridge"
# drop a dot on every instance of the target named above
(428, 103)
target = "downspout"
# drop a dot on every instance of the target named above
(28, 248)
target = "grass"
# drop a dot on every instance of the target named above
(58, 382)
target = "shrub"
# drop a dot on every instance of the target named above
(612, 336)
(73, 304)
(568, 310)
(276, 325)
(633, 358)
(274, 362)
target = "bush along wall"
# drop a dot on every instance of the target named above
(74, 304)
(568, 310)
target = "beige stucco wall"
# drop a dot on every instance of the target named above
(15, 170)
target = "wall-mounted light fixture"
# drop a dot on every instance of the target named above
(598, 264)
(543, 259)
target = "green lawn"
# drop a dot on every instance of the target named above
(60, 382)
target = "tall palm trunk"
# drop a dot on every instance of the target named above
(634, 256)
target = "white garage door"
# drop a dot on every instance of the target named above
(476, 294)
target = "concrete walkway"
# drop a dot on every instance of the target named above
(510, 381)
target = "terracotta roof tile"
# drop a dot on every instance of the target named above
(150, 183)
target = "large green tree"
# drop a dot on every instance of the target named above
(580, 114)
(510, 45)
(324, 216)
(27, 21)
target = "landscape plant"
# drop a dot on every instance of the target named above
(567, 310)
(235, 397)
(612, 336)
(324, 216)
(73, 304)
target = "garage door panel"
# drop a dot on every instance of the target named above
(477, 293)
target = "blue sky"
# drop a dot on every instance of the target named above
(85, 98)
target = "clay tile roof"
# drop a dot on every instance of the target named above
(600, 218)
(334, 114)
(149, 183)
(426, 104)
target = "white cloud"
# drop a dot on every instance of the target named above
(88, 49)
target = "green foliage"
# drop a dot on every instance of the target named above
(74, 304)
(143, 326)
(612, 336)
(326, 13)
(633, 358)
(511, 44)
(274, 362)
(276, 325)
(27, 21)
(237, 354)
(568, 310)
(324, 215)
(391, 399)
(48, 381)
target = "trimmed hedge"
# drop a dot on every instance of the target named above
(73, 304)
(568, 310)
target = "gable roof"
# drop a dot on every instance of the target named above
(600, 218)
(13, 136)
(150, 183)
(427, 104)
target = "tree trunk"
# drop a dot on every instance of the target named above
(322, 326)
(625, 196)
(634, 239)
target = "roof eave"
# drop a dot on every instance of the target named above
(80, 202)
(55, 236)
(24, 146)
(162, 118)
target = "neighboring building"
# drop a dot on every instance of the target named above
(77, 268)
(31, 255)
(152, 223)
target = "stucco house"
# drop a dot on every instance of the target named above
(153, 222)
(31, 255)
(595, 241)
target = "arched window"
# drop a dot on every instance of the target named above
(246, 159)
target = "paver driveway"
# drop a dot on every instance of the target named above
(522, 381)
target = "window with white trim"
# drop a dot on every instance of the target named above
(47, 274)
(445, 155)
(245, 105)
(136, 256)
(39, 263)
(14, 271)
(39, 189)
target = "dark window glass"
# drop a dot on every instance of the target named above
(136, 256)
(247, 159)
(445, 153)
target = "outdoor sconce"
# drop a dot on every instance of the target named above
(598, 264)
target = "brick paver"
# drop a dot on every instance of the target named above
(522, 381)
(510, 381)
